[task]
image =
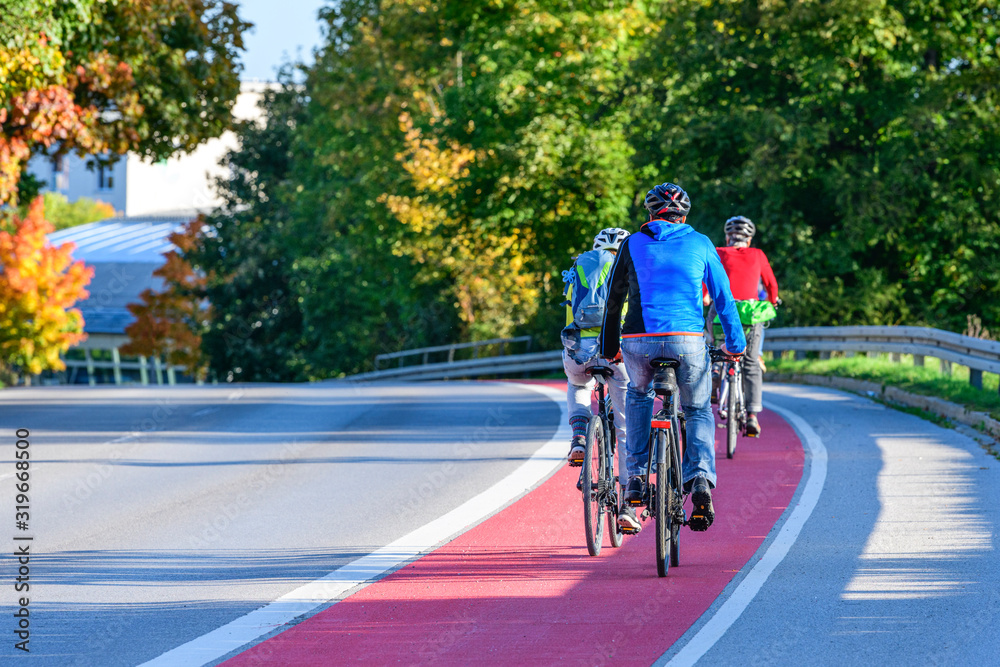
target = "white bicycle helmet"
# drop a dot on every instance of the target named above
(610, 239)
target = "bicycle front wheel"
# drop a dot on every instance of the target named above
(664, 502)
(593, 503)
(732, 418)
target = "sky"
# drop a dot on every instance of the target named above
(283, 30)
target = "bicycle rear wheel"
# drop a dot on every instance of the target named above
(593, 503)
(664, 502)
(732, 418)
(614, 530)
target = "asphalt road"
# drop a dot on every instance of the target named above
(160, 514)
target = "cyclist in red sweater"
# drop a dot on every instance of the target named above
(746, 268)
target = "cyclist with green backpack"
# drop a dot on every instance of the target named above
(587, 283)
(747, 267)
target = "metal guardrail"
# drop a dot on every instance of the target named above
(470, 368)
(425, 352)
(979, 355)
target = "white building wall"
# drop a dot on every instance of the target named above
(181, 185)
(75, 180)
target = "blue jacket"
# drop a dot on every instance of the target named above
(660, 270)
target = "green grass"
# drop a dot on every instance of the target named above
(928, 380)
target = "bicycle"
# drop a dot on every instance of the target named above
(664, 499)
(731, 395)
(600, 496)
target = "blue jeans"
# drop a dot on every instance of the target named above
(695, 384)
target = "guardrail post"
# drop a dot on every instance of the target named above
(143, 371)
(501, 349)
(976, 378)
(896, 357)
(945, 366)
(426, 356)
(918, 360)
(90, 368)
(117, 360)
(824, 354)
(451, 354)
(800, 355)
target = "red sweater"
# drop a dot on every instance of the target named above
(745, 268)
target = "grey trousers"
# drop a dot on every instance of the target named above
(753, 377)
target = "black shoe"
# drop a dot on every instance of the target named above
(577, 450)
(703, 513)
(627, 521)
(634, 490)
(753, 426)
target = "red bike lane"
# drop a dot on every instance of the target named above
(520, 588)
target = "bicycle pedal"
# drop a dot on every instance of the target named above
(634, 503)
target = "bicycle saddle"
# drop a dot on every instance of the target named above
(664, 378)
(603, 371)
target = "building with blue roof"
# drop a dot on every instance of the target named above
(124, 253)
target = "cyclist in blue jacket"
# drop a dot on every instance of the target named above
(660, 270)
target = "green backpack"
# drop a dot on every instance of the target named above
(751, 313)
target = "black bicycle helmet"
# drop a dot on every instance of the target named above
(667, 201)
(739, 228)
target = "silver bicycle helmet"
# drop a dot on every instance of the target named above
(740, 228)
(610, 239)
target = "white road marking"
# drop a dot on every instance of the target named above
(744, 594)
(302, 600)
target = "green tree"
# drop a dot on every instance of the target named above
(861, 135)
(63, 214)
(245, 253)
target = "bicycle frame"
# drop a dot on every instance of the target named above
(732, 379)
(607, 495)
(678, 429)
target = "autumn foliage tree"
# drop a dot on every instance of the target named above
(103, 77)
(39, 285)
(168, 323)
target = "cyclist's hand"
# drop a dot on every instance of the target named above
(617, 359)
(736, 356)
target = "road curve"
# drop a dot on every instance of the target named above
(898, 563)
